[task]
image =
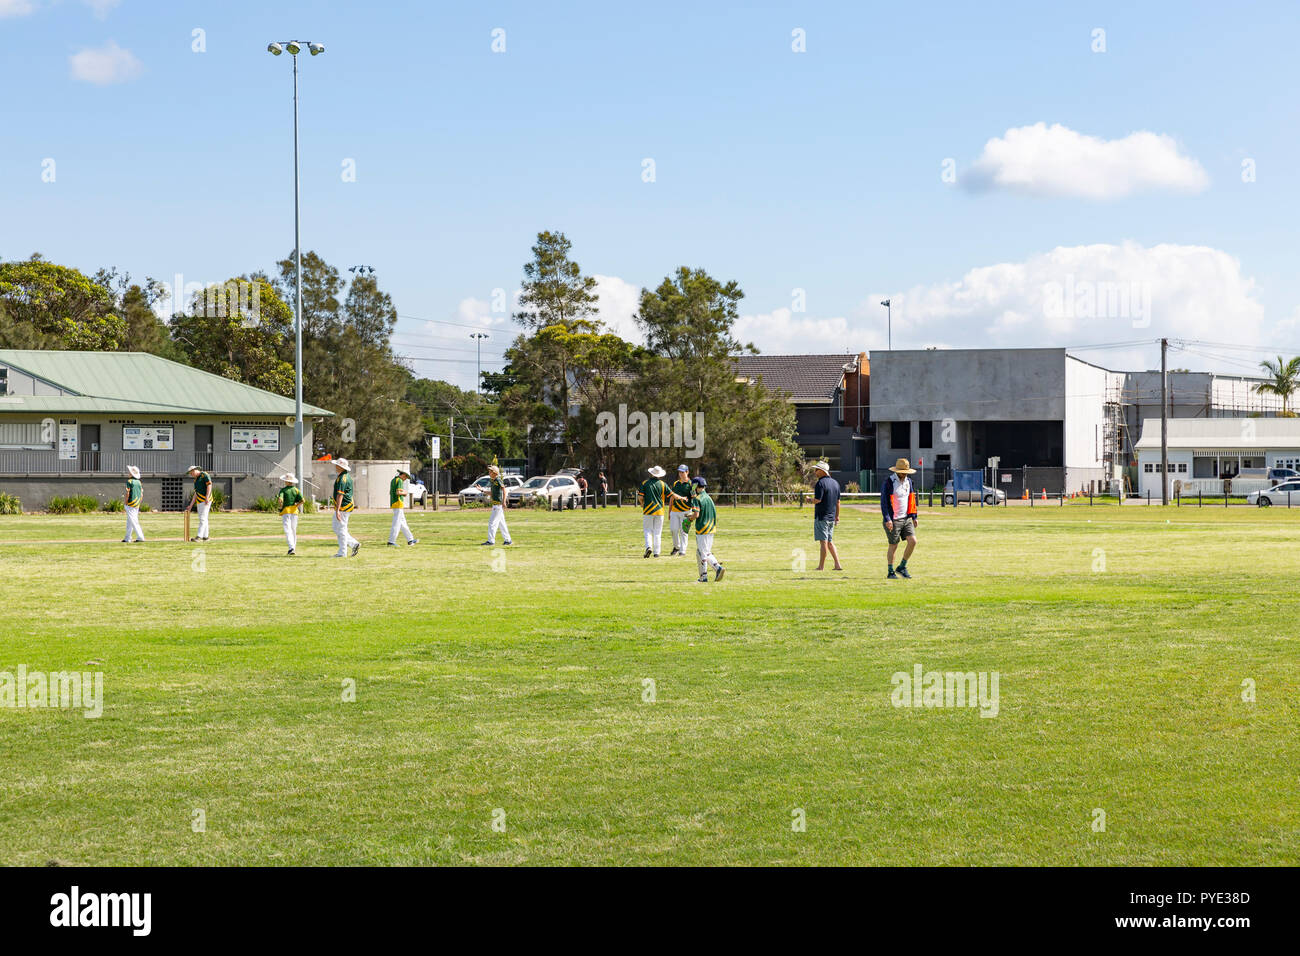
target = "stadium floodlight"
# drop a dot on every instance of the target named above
(295, 47)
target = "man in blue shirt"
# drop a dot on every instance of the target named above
(826, 513)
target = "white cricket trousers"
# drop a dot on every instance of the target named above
(498, 520)
(679, 533)
(399, 526)
(341, 532)
(653, 527)
(133, 524)
(290, 522)
(704, 553)
(203, 508)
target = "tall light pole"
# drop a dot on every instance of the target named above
(478, 347)
(889, 325)
(275, 49)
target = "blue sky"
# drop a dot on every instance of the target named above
(819, 171)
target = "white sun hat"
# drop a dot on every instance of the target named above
(823, 465)
(657, 471)
(342, 464)
(289, 479)
(133, 471)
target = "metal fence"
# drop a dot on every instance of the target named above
(38, 462)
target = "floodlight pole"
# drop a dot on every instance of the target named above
(478, 345)
(1164, 423)
(889, 323)
(297, 299)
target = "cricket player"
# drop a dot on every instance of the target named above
(289, 498)
(201, 499)
(898, 505)
(343, 508)
(678, 524)
(133, 497)
(653, 496)
(706, 519)
(826, 513)
(497, 520)
(397, 501)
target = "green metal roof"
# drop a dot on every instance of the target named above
(137, 382)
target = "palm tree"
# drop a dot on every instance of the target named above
(1286, 379)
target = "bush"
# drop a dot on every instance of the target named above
(262, 503)
(218, 497)
(145, 506)
(10, 504)
(72, 504)
(114, 504)
(852, 487)
(309, 507)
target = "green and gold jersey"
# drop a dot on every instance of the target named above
(653, 494)
(289, 498)
(707, 519)
(496, 489)
(396, 487)
(343, 486)
(686, 490)
(203, 487)
(135, 493)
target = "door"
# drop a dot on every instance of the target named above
(89, 440)
(203, 446)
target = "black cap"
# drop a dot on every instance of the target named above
(699, 481)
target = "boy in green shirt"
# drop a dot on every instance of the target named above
(397, 501)
(201, 500)
(289, 498)
(677, 522)
(343, 508)
(706, 519)
(133, 498)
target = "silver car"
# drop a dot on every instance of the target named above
(992, 496)
(560, 491)
(478, 491)
(1280, 494)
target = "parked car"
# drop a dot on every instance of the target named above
(478, 491)
(1282, 474)
(1277, 495)
(560, 490)
(415, 488)
(992, 496)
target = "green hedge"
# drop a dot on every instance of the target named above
(10, 504)
(72, 504)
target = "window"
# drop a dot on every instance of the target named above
(927, 435)
(1148, 468)
(4, 381)
(1182, 467)
(900, 434)
(830, 452)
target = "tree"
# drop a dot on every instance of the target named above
(1286, 379)
(49, 306)
(554, 292)
(239, 332)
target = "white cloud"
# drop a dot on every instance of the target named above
(106, 65)
(779, 332)
(618, 301)
(1085, 295)
(1057, 161)
(101, 8)
(16, 8)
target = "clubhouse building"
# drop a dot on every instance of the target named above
(71, 423)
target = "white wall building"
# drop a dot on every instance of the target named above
(1203, 452)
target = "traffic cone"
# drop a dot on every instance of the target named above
(1025, 496)
(1044, 494)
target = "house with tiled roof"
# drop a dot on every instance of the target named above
(830, 394)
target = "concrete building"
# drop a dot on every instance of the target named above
(830, 394)
(1203, 453)
(71, 422)
(1037, 409)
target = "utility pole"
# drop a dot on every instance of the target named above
(889, 324)
(1164, 422)
(451, 430)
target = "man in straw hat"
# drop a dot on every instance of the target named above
(653, 497)
(497, 519)
(397, 501)
(289, 498)
(826, 513)
(343, 508)
(201, 499)
(133, 497)
(898, 505)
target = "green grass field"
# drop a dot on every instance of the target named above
(516, 694)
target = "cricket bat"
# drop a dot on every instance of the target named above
(187, 525)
